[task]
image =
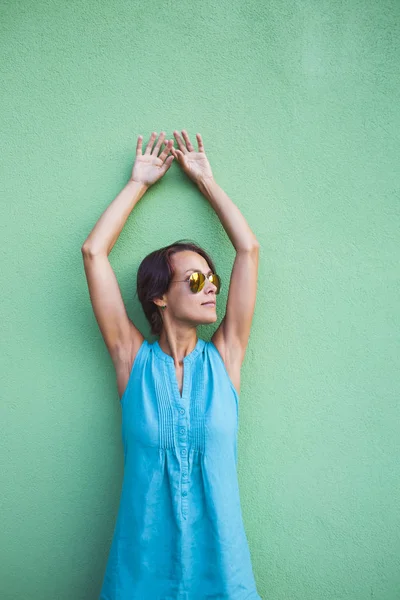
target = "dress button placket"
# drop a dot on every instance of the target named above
(183, 415)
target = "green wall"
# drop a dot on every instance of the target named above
(298, 106)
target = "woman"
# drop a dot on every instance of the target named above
(179, 534)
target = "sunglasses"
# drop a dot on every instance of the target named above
(197, 281)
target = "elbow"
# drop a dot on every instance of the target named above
(86, 250)
(256, 244)
(90, 252)
(251, 247)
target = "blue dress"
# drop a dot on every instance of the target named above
(179, 533)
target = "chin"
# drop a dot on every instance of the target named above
(213, 319)
(205, 321)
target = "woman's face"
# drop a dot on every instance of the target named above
(181, 302)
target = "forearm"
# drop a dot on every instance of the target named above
(229, 214)
(107, 229)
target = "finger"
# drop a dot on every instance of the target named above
(200, 142)
(139, 146)
(176, 153)
(168, 163)
(158, 145)
(164, 168)
(166, 150)
(150, 142)
(179, 140)
(187, 140)
(179, 154)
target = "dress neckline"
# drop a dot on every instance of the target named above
(188, 358)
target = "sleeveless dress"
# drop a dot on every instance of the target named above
(179, 533)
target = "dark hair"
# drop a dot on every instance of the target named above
(154, 276)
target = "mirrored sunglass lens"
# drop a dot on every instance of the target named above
(216, 281)
(196, 280)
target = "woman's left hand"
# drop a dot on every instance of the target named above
(149, 167)
(194, 164)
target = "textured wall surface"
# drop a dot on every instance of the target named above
(298, 105)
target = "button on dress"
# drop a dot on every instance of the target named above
(179, 533)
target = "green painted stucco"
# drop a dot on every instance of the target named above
(298, 105)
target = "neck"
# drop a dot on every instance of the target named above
(178, 346)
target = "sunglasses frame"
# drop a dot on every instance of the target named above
(202, 278)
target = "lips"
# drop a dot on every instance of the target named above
(208, 304)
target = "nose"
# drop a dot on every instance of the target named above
(212, 286)
(211, 291)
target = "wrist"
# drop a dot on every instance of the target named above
(137, 185)
(206, 184)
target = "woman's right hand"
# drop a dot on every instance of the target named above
(149, 167)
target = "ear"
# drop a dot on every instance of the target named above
(159, 302)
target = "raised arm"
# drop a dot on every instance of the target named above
(231, 337)
(120, 335)
(233, 333)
